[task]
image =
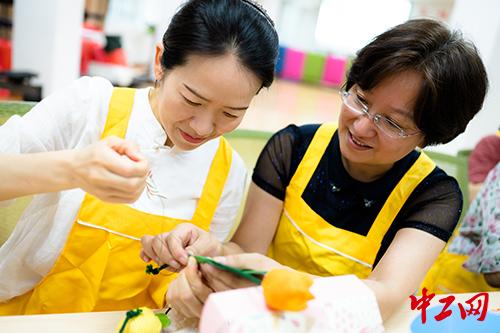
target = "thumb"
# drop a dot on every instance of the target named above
(133, 152)
(204, 246)
(194, 250)
(192, 247)
(125, 147)
(255, 261)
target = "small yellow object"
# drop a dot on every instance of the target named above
(287, 289)
(146, 322)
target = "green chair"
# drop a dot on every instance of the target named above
(464, 153)
(10, 108)
(9, 215)
(313, 68)
(248, 144)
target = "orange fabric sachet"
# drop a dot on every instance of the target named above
(287, 289)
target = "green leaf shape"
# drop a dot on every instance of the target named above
(155, 271)
(249, 274)
(129, 315)
(165, 320)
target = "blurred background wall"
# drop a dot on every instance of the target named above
(46, 40)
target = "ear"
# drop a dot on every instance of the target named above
(158, 69)
(421, 143)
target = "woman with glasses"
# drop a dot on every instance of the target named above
(110, 165)
(358, 197)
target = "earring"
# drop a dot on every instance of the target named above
(156, 83)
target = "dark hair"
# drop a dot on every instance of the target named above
(454, 80)
(216, 27)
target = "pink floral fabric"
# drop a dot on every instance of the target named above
(479, 234)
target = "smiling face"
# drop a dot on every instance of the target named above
(367, 152)
(202, 99)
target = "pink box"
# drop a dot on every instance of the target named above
(334, 73)
(293, 64)
(341, 304)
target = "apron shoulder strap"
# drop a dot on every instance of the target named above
(120, 108)
(214, 185)
(420, 169)
(313, 155)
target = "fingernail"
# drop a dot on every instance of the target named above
(173, 264)
(220, 260)
(191, 261)
(184, 258)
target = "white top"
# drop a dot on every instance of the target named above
(74, 118)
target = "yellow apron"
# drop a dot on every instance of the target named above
(448, 276)
(306, 242)
(99, 268)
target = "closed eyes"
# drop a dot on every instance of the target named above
(362, 102)
(190, 102)
(229, 115)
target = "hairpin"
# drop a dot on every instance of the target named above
(260, 9)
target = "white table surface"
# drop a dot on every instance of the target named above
(107, 322)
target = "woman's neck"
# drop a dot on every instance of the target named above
(153, 103)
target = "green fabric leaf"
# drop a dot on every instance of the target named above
(165, 320)
(249, 274)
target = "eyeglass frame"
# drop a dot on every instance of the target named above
(376, 118)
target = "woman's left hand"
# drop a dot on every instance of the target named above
(220, 280)
(187, 293)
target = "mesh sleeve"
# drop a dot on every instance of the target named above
(436, 208)
(273, 170)
(433, 208)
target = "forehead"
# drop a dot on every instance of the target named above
(218, 77)
(398, 92)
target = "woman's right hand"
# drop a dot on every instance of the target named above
(172, 248)
(112, 170)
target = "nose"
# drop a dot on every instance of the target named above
(203, 123)
(365, 125)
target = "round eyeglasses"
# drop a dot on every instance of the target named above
(387, 126)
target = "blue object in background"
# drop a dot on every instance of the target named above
(281, 60)
(454, 323)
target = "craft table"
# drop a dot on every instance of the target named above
(106, 322)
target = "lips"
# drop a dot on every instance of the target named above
(191, 139)
(358, 143)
